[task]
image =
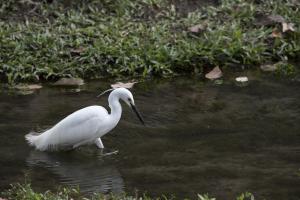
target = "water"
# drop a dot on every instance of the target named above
(200, 138)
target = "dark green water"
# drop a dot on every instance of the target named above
(200, 138)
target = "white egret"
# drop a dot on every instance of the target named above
(85, 126)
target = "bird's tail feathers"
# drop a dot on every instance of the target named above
(32, 138)
(38, 140)
(42, 142)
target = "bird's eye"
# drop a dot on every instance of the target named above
(129, 99)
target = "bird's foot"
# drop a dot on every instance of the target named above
(107, 152)
(111, 153)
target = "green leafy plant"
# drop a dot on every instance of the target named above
(92, 39)
(25, 192)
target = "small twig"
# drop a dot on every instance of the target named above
(34, 9)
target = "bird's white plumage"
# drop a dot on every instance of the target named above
(84, 126)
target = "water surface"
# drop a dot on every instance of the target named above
(200, 138)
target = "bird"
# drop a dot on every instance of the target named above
(85, 126)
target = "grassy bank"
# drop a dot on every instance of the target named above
(45, 40)
(25, 192)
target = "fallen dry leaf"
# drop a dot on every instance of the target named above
(28, 87)
(69, 82)
(276, 18)
(268, 68)
(242, 79)
(34, 87)
(276, 33)
(197, 28)
(123, 85)
(267, 20)
(287, 27)
(215, 73)
(77, 51)
(295, 2)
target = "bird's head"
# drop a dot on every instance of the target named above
(125, 95)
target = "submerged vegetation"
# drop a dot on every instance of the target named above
(45, 40)
(25, 192)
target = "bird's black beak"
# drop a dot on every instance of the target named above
(137, 113)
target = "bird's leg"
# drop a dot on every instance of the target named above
(99, 143)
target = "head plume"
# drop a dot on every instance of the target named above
(106, 91)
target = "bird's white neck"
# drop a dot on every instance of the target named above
(115, 109)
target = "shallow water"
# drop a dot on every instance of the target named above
(200, 138)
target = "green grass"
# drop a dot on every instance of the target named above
(25, 192)
(92, 39)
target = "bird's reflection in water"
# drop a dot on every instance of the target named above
(88, 170)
